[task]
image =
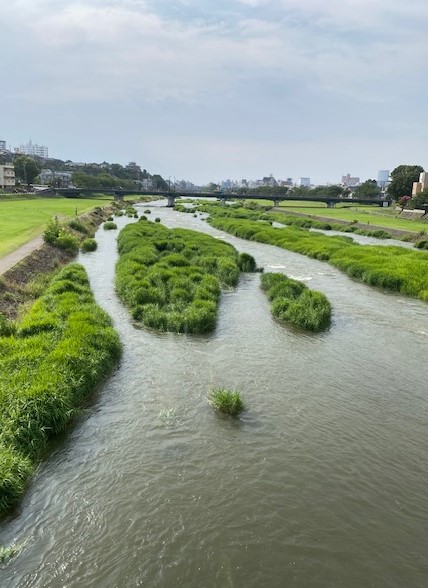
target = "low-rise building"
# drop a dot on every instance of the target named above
(7, 177)
(58, 179)
(350, 181)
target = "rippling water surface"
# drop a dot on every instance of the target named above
(321, 483)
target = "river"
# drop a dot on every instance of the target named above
(321, 483)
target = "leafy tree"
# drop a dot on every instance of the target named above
(159, 183)
(334, 191)
(26, 169)
(420, 200)
(119, 171)
(302, 192)
(402, 180)
(105, 180)
(213, 187)
(368, 190)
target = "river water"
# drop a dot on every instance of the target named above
(321, 483)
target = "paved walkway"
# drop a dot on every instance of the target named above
(18, 255)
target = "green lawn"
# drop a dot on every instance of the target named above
(373, 215)
(23, 219)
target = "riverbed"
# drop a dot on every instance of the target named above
(320, 483)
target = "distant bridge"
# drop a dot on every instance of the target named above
(119, 193)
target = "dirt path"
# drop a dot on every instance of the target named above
(8, 261)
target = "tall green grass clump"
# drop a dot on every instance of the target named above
(227, 401)
(294, 303)
(89, 245)
(77, 225)
(57, 235)
(9, 552)
(247, 263)
(109, 225)
(390, 268)
(171, 278)
(61, 350)
(422, 244)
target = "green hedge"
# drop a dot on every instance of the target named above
(62, 348)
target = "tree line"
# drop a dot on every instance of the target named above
(88, 175)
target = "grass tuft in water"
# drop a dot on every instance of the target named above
(109, 225)
(89, 245)
(294, 303)
(227, 401)
(9, 552)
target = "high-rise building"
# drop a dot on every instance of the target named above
(2, 145)
(383, 178)
(306, 182)
(32, 149)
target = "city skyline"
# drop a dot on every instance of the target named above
(233, 89)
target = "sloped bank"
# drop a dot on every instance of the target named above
(57, 355)
(24, 281)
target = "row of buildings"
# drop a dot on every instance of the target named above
(29, 148)
(265, 181)
(349, 181)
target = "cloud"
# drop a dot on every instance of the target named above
(258, 66)
(93, 49)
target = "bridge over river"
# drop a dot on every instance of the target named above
(171, 196)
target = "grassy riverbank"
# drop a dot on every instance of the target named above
(387, 218)
(305, 222)
(171, 278)
(25, 279)
(391, 268)
(23, 219)
(50, 361)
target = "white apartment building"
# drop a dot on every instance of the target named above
(7, 177)
(32, 149)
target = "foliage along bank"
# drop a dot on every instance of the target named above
(171, 278)
(391, 268)
(57, 355)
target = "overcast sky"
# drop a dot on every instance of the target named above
(215, 89)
